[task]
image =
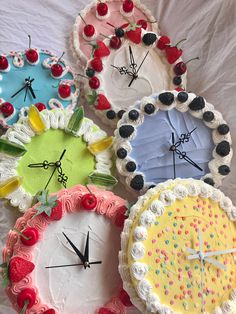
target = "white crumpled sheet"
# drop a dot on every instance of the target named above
(209, 26)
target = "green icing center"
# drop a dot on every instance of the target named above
(77, 162)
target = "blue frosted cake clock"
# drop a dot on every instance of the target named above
(172, 134)
(34, 77)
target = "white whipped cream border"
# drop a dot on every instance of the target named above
(21, 133)
(143, 298)
(214, 164)
(75, 42)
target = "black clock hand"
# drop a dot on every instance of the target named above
(26, 92)
(57, 164)
(182, 155)
(123, 70)
(133, 65)
(86, 251)
(172, 149)
(45, 164)
(21, 89)
(184, 137)
(62, 178)
(135, 76)
(77, 251)
(70, 265)
(32, 92)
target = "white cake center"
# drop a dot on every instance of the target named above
(153, 76)
(74, 290)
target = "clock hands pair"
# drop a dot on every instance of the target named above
(205, 257)
(83, 257)
(62, 178)
(27, 86)
(182, 155)
(133, 65)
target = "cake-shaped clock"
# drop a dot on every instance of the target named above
(34, 76)
(178, 250)
(138, 64)
(172, 134)
(63, 257)
(95, 18)
(49, 150)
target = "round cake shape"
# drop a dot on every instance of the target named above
(174, 231)
(172, 134)
(79, 160)
(141, 65)
(79, 44)
(70, 289)
(45, 89)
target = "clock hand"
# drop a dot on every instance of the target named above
(77, 251)
(184, 137)
(32, 92)
(182, 155)
(123, 70)
(135, 75)
(133, 64)
(62, 178)
(195, 255)
(213, 253)
(173, 152)
(86, 251)
(26, 92)
(70, 265)
(26, 84)
(45, 164)
(56, 166)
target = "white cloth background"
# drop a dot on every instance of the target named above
(209, 26)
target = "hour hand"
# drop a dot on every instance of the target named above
(45, 164)
(123, 70)
(86, 252)
(77, 251)
(182, 155)
(32, 91)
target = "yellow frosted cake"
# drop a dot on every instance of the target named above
(178, 250)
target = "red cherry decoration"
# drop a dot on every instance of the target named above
(180, 67)
(89, 30)
(102, 8)
(64, 90)
(94, 82)
(32, 234)
(56, 70)
(128, 6)
(32, 55)
(6, 109)
(115, 42)
(3, 63)
(89, 201)
(124, 297)
(163, 42)
(40, 106)
(120, 216)
(25, 295)
(143, 24)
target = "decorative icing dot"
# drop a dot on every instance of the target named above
(175, 245)
(157, 271)
(175, 224)
(167, 241)
(166, 292)
(170, 213)
(149, 253)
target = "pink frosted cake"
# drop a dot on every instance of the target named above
(48, 274)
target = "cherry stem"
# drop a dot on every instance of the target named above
(180, 42)
(29, 41)
(89, 190)
(110, 24)
(82, 76)
(26, 303)
(23, 236)
(197, 58)
(82, 19)
(61, 57)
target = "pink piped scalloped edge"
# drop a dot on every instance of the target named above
(108, 204)
(79, 46)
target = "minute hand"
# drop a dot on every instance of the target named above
(214, 253)
(135, 76)
(182, 155)
(77, 251)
